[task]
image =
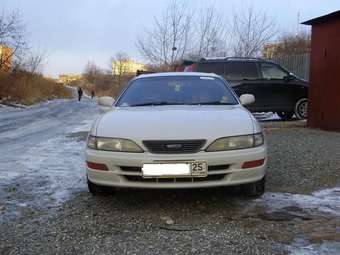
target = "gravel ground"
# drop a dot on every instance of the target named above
(303, 160)
(209, 221)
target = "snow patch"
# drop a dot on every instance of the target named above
(60, 162)
(85, 126)
(7, 175)
(302, 247)
(266, 116)
(32, 127)
(324, 201)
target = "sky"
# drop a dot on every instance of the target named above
(73, 32)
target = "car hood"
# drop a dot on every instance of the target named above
(175, 122)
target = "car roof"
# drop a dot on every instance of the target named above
(178, 74)
(232, 59)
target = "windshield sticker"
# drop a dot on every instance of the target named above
(177, 87)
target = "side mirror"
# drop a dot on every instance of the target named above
(247, 99)
(106, 101)
(288, 77)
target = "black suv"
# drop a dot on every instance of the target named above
(275, 89)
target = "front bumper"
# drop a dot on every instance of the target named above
(225, 168)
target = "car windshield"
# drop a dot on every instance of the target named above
(172, 90)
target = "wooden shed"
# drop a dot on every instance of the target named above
(324, 90)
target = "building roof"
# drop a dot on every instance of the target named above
(323, 18)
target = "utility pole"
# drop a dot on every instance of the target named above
(298, 23)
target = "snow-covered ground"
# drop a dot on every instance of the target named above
(41, 150)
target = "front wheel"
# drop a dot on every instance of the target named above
(301, 108)
(285, 115)
(254, 189)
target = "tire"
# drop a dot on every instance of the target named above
(97, 190)
(254, 189)
(301, 108)
(285, 115)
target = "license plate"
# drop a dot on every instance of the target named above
(186, 169)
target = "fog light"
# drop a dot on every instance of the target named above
(253, 163)
(97, 166)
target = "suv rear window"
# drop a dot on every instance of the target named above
(241, 70)
(216, 68)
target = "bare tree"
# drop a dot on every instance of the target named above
(12, 35)
(120, 64)
(210, 33)
(167, 42)
(250, 30)
(33, 61)
(91, 72)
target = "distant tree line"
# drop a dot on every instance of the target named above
(293, 44)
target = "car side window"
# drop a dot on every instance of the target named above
(271, 71)
(217, 68)
(241, 71)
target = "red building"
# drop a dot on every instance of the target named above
(324, 90)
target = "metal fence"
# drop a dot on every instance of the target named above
(297, 64)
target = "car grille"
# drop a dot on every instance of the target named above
(136, 169)
(215, 177)
(174, 146)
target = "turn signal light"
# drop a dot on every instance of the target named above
(253, 163)
(97, 166)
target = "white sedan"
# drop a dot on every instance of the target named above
(176, 130)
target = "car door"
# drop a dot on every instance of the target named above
(244, 79)
(277, 88)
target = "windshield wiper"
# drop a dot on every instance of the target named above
(251, 79)
(174, 103)
(213, 103)
(155, 104)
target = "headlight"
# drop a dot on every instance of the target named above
(112, 144)
(236, 142)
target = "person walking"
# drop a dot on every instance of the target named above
(92, 94)
(80, 93)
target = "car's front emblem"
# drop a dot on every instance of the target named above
(173, 146)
